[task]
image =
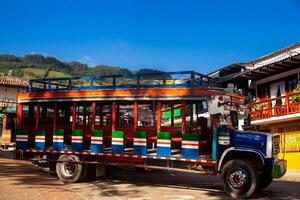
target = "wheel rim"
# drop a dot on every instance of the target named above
(237, 178)
(68, 169)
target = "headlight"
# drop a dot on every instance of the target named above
(269, 146)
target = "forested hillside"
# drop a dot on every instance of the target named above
(39, 66)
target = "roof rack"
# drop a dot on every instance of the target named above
(126, 81)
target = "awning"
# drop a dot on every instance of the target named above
(271, 67)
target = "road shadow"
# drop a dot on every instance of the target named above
(29, 176)
(210, 185)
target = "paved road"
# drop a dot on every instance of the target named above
(22, 180)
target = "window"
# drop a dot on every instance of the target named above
(146, 114)
(64, 113)
(177, 112)
(46, 111)
(25, 110)
(84, 114)
(167, 114)
(194, 111)
(125, 114)
(28, 110)
(292, 82)
(263, 91)
(103, 114)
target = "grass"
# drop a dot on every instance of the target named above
(30, 73)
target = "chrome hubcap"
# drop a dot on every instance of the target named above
(237, 178)
(68, 169)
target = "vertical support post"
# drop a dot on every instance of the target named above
(101, 114)
(74, 115)
(37, 116)
(270, 106)
(55, 116)
(192, 114)
(19, 115)
(135, 117)
(287, 102)
(113, 115)
(192, 79)
(138, 81)
(183, 117)
(172, 114)
(70, 84)
(4, 121)
(114, 82)
(158, 122)
(93, 115)
(84, 114)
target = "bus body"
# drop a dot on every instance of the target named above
(174, 121)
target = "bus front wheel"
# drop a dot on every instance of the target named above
(240, 179)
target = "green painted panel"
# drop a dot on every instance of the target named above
(21, 132)
(76, 132)
(58, 132)
(140, 134)
(177, 113)
(190, 137)
(164, 135)
(97, 133)
(117, 134)
(40, 132)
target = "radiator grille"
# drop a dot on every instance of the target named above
(276, 144)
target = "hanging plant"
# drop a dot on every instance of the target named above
(296, 98)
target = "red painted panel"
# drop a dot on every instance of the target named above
(19, 115)
(135, 117)
(37, 116)
(113, 115)
(158, 113)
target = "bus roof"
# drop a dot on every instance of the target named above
(183, 85)
(128, 81)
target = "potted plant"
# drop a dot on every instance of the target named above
(296, 98)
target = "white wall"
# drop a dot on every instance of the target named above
(8, 92)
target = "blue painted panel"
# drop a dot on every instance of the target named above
(40, 145)
(190, 153)
(97, 148)
(117, 148)
(77, 147)
(140, 150)
(58, 146)
(22, 145)
(163, 151)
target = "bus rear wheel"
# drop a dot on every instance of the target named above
(69, 170)
(240, 179)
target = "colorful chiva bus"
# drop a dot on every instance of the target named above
(176, 121)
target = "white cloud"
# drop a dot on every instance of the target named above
(87, 60)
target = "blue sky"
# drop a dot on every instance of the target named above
(167, 35)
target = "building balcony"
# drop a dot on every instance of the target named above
(273, 110)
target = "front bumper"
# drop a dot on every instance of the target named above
(279, 168)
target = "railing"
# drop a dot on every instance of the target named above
(164, 79)
(275, 107)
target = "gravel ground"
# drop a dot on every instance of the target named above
(23, 180)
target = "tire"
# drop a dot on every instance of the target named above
(69, 172)
(240, 179)
(265, 181)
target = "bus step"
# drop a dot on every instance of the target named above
(128, 149)
(107, 149)
(149, 151)
(175, 151)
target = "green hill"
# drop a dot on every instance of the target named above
(39, 66)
